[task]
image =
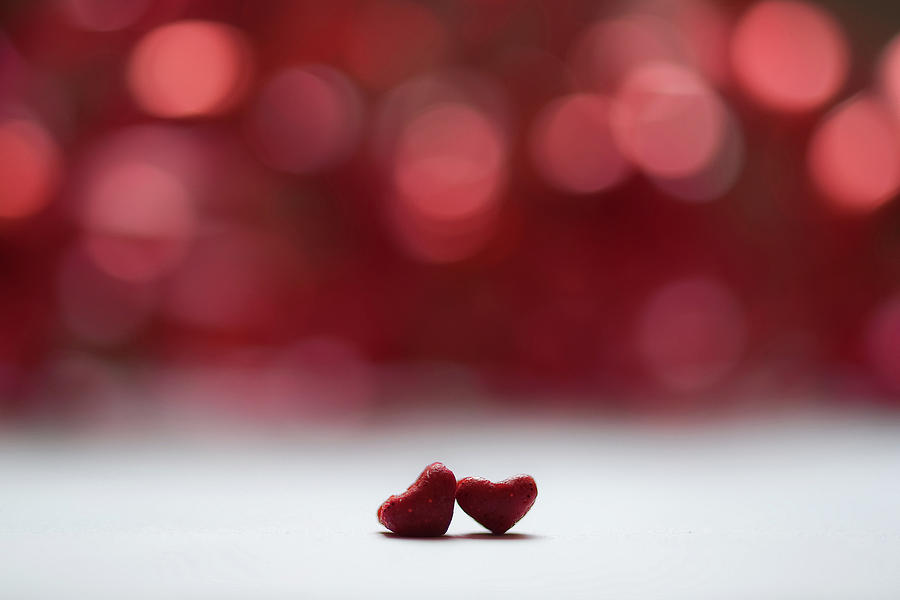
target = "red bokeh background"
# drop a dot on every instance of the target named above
(302, 209)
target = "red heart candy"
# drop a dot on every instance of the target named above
(425, 509)
(497, 506)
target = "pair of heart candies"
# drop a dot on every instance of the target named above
(426, 508)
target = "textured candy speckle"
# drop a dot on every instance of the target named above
(496, 506)
(426, 508)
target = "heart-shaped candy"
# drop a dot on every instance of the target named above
(426, 508)
(497, 506)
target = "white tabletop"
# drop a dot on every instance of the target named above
(797, 509)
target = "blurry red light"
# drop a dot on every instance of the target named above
(450, 162)
(405, 102)
(158, 199)
(189, 69)
(889, 75)
(573, 148)
(30, 168)
(306, 119)
(138, 219)
(174, 149)
(854, 155)
(789, 55)
(718, 177)
(439, 241)
(691, 334)
(667, 120)
(707, 31)
(449, 171)
(608, 50)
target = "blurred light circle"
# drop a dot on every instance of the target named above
(667, 120)
(883, 342)
(104, 15)
(98, 307)
(718, 177)
(138, 219)
(706, 29)
(789, 55)
(854, 155)
(889, 75)
(306, 119)
(691, 334)
(189, 69)
(405, 102)
(439, 240)
(450, 162)
(178, 151)
(441, 142)
(573, 148)
(608, 50)
(30, 168)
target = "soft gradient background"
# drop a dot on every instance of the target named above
(286, 211)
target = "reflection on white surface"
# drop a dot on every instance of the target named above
(749, 511)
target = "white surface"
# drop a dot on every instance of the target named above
(754, 511)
